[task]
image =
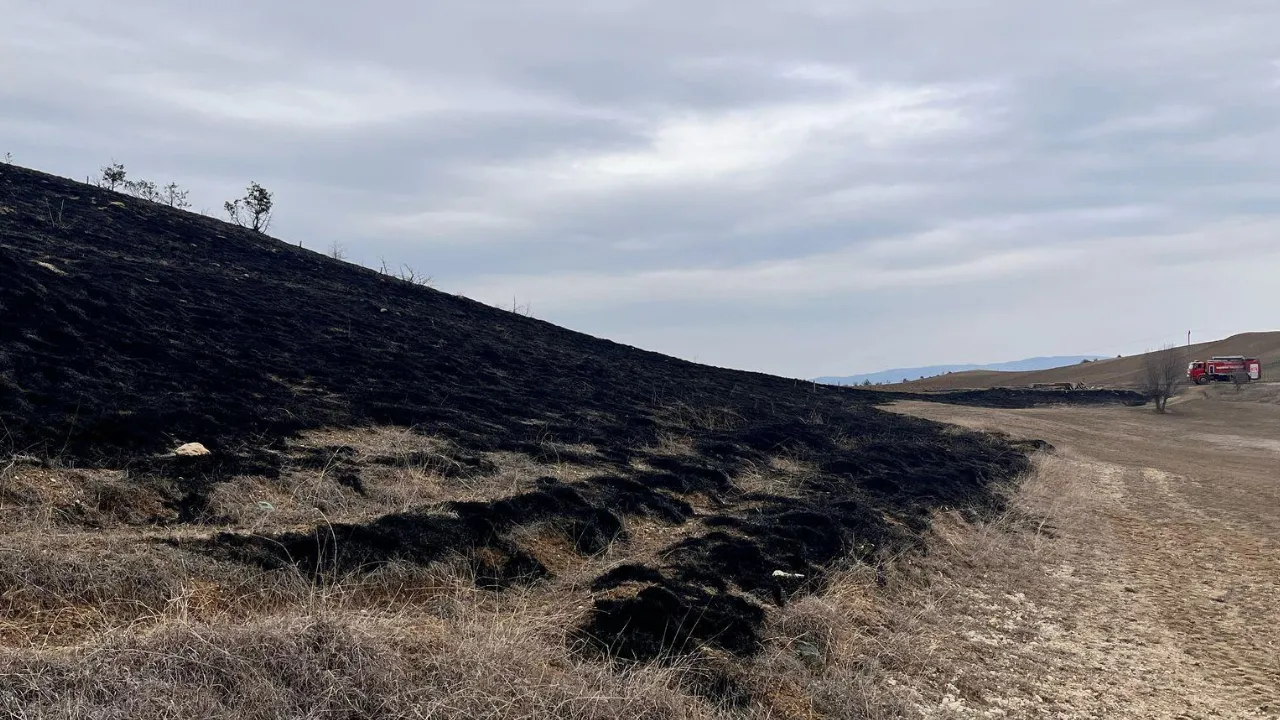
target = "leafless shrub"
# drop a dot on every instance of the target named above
(525, 309)
(1162, 372)
(8, 158)
(174, 196)
(337, 251)
(1240, 379)
(55, 217)
(409, 275)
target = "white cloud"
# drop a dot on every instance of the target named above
(743, 149)
(446, 225)
(334, 97)
(1169, 117)
(705, 146)
(821, 163)
(878, 266)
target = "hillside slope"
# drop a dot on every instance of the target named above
(895, 375)
(358, 423)
(1122, 372)
(131, 328)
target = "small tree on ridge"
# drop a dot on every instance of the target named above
(174, 196)
(113, 176)
(253, 210)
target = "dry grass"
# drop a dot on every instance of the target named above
(330, 666)
(401, 644)
(398, 469)
(116, 624)
(906, 640)
(782, 475)
(704, 418)
(34, 496)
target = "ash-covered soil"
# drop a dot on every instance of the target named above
(127, 328)
(1013, 398)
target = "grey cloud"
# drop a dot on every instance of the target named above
(964, 165)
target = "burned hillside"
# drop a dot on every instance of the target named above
(128, 328)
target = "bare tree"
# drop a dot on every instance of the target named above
(55, 217)
(174, 196)
(1162, 372)
(253, 210)
(337, 251)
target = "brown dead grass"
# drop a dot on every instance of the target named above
(782, 475)
(44, 495)
(878, 642)
(117, 623)
(428, 474)
(330, 665)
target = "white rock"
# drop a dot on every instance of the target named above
(191, 450)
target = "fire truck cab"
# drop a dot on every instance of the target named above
(1226, 368)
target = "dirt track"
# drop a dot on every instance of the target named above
(1164, 596)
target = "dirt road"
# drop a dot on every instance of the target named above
(1161, 595)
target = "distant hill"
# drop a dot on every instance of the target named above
(1123, 372)
(897, 375)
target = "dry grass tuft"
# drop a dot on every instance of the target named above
(505, 657)
(683, 415)
(35, 497)
(782, 475)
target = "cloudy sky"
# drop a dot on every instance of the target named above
(803, 187)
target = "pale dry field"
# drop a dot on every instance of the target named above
(1155, 592)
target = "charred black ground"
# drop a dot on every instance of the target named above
(127, 328)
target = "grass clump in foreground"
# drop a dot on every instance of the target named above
(431, 647)
(99, 626)
(413, 642)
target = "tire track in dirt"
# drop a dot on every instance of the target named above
(1213, 582)
(1200, 589)
(1163, 597)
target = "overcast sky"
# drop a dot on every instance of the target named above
(803, 187)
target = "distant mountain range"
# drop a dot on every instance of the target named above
(899, 374)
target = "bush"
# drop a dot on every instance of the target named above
(253, 210)
(115, 177)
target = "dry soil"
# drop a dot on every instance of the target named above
(1161, 598)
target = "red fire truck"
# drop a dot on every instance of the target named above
(1227, 368)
